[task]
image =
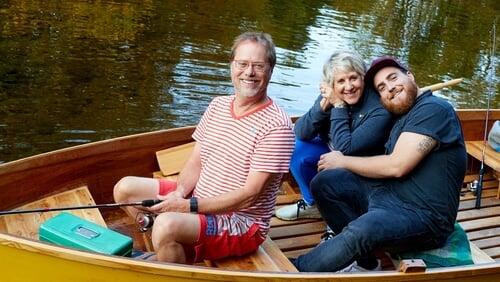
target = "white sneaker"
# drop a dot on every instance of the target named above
(327, 236)
(354, 267)
(297, 210)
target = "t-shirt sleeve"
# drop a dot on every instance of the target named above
(274, 150)
(437, 121)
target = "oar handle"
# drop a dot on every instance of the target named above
(442, 85)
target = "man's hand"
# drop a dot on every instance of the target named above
(330, 160)
(172, 202)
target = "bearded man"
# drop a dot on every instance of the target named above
(405, 200)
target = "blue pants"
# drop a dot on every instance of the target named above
(304, 164)
(365, 218)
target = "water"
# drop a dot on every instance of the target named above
(73, 72)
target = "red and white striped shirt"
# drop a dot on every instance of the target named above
(262, 140)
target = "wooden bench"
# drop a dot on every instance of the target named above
(26, 225)
(268, 257)
(491, 158)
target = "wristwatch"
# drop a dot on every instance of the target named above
(193, 205)
(341, 104)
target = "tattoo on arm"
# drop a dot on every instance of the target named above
(426, 145)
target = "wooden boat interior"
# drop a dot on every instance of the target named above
(85, 175)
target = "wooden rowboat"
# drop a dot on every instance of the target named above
(98, 166)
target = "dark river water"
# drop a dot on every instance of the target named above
(73, 72)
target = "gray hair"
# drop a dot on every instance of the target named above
(259, 37)
(342, 62)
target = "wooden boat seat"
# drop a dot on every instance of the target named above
(491, 157)
(172, 160)
(268, 257)
(26, 225)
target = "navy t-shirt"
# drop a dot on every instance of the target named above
(434, 184)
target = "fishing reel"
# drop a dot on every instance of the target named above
(144, 221)
(472, 186)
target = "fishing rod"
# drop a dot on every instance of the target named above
(144, 203)
(479, 188)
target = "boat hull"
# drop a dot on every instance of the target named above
(98, 166)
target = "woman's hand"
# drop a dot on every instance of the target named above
(326, 91)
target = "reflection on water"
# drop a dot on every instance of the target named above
(73, 72)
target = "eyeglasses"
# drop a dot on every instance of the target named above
(243, 65)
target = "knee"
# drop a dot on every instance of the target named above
(164, 229)
(329, 182)
(123, 189)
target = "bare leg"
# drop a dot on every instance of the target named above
(172, 230)
(132, 189)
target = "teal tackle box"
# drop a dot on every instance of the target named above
(69, 230)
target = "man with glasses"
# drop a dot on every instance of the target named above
(224, 198)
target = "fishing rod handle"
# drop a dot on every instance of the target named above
(150, 203)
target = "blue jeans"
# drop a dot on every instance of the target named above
(365, 217)
(304, 164)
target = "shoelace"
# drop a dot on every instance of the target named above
(327, 236)
(301, 204)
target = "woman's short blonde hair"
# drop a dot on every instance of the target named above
(344, 61)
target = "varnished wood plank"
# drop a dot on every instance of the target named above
(172, 160)
(478, 255)
(493, 252)
(488, 242)
(491, 157)
(287, 189)
(483, 233)
(488, 191)
(482, 223)
(486, 177)
(281, 261)
(477, 213)
(275, 222)
(297, 230)
(299, 242)
(26, 225)
(288, 199)
(485, 202)
(296, 253)
(268, 257)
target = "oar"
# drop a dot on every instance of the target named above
(145, 203)
(438, 86)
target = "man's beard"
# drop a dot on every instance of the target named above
(404, 106)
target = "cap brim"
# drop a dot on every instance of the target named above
(377, 66)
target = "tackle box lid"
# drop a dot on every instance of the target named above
(69, 230)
